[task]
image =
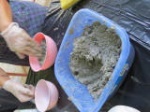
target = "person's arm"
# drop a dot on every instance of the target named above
(5, 15)
(19, 42)
(3, 77)
(16, 38)
(22, 92)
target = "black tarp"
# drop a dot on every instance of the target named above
(134, 16)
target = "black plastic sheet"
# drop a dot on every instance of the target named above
(134, 16)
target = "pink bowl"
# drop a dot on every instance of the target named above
(46, 95)
(50, 55)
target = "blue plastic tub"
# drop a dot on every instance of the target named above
(77, 92)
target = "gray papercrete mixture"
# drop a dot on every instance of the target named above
(94, 57)
(43, 46)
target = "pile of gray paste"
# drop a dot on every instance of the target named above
(43, 46)
(94, 57)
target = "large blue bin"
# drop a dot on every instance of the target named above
(77, 92)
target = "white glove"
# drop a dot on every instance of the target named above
(22, 92)
(20, 42)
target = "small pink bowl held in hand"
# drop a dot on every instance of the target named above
(50, 55)
(46, 95)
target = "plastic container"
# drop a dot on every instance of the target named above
(46, 95)
(77, 92)
(50, 55)
(123, 108)
(65, 4)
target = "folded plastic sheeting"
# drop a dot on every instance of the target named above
(134, 16)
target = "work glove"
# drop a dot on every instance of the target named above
(22, 92)
(20, 42)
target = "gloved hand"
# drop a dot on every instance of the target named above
(20, 42)
(22, 92)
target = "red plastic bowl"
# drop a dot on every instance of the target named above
(50, 55)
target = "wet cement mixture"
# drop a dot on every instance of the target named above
(94, 57)
(43, 46)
